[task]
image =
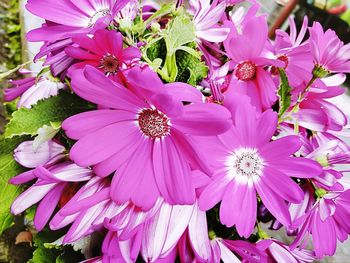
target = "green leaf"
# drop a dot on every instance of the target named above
(284, 93)
(156, 50)
(70, 256)
(190, 68)
(180, 33)
(54, 109)
(45, 255)
(8, 169)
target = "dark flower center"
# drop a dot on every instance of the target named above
(110, 64)
(153, 123)
(245, 71)
(285, 59)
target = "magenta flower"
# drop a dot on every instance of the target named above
(325, 220)
(32, 90)
(315, 111)
(247, 163)
(47, 190)
(206, 20)
(69, 18)
(328, 50)
(152, 157)
(295, 54)
(104, 51)
(246, 53)
(282, 253)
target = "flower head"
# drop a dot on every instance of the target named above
(104, 51)
(153, 157)
(247, 163)
(329, 52)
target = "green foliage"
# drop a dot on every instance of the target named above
(8, 169)
(190, 69)
(12, 28)
(180, 32)
(50, 253)
(284, 93)
(157, 51)
(54, 109)
(45, 255)
(175, 55)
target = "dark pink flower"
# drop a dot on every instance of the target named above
(142, 134)
(246, 53)
(104, 51)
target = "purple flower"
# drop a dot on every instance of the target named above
(315, 111)
(31, 90)
(247, 162)
(152, 157)
(282, 253)
(69, 18)
(104, 51)
(47, 153)
(328, 51)
(295, 54)
(206, 20)
(47, 190)
(246, 53)
(326, 220)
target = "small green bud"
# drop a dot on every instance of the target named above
(320, 72)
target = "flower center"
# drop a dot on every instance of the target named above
(285, 59)
(153, 123)
(245, 71)
(248, 163)
(97, 16)
(110, 64)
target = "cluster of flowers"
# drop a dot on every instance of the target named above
(168, 170)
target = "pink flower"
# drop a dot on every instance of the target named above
(246, 53)
(206, 20)
(247, 162)
(329, 52)
(325, 221)
(32, 90)
(69, 18)
(104, 51)
(295, 54)
(282, 253)
(142, 134)
(315, 111)
(47, 153)
(47, 190)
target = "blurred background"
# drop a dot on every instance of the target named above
(14, 50)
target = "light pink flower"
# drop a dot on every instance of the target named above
(247, 162)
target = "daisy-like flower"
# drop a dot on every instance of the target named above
(104, 51)
(324, 219)
(142, 134)
(316, 112)
(329, 52)
(247, 162)
(32, 89)
(68, 18)
(282, 253)
(206, 20)
(246, 53)
(52, 178)
(290, 49)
